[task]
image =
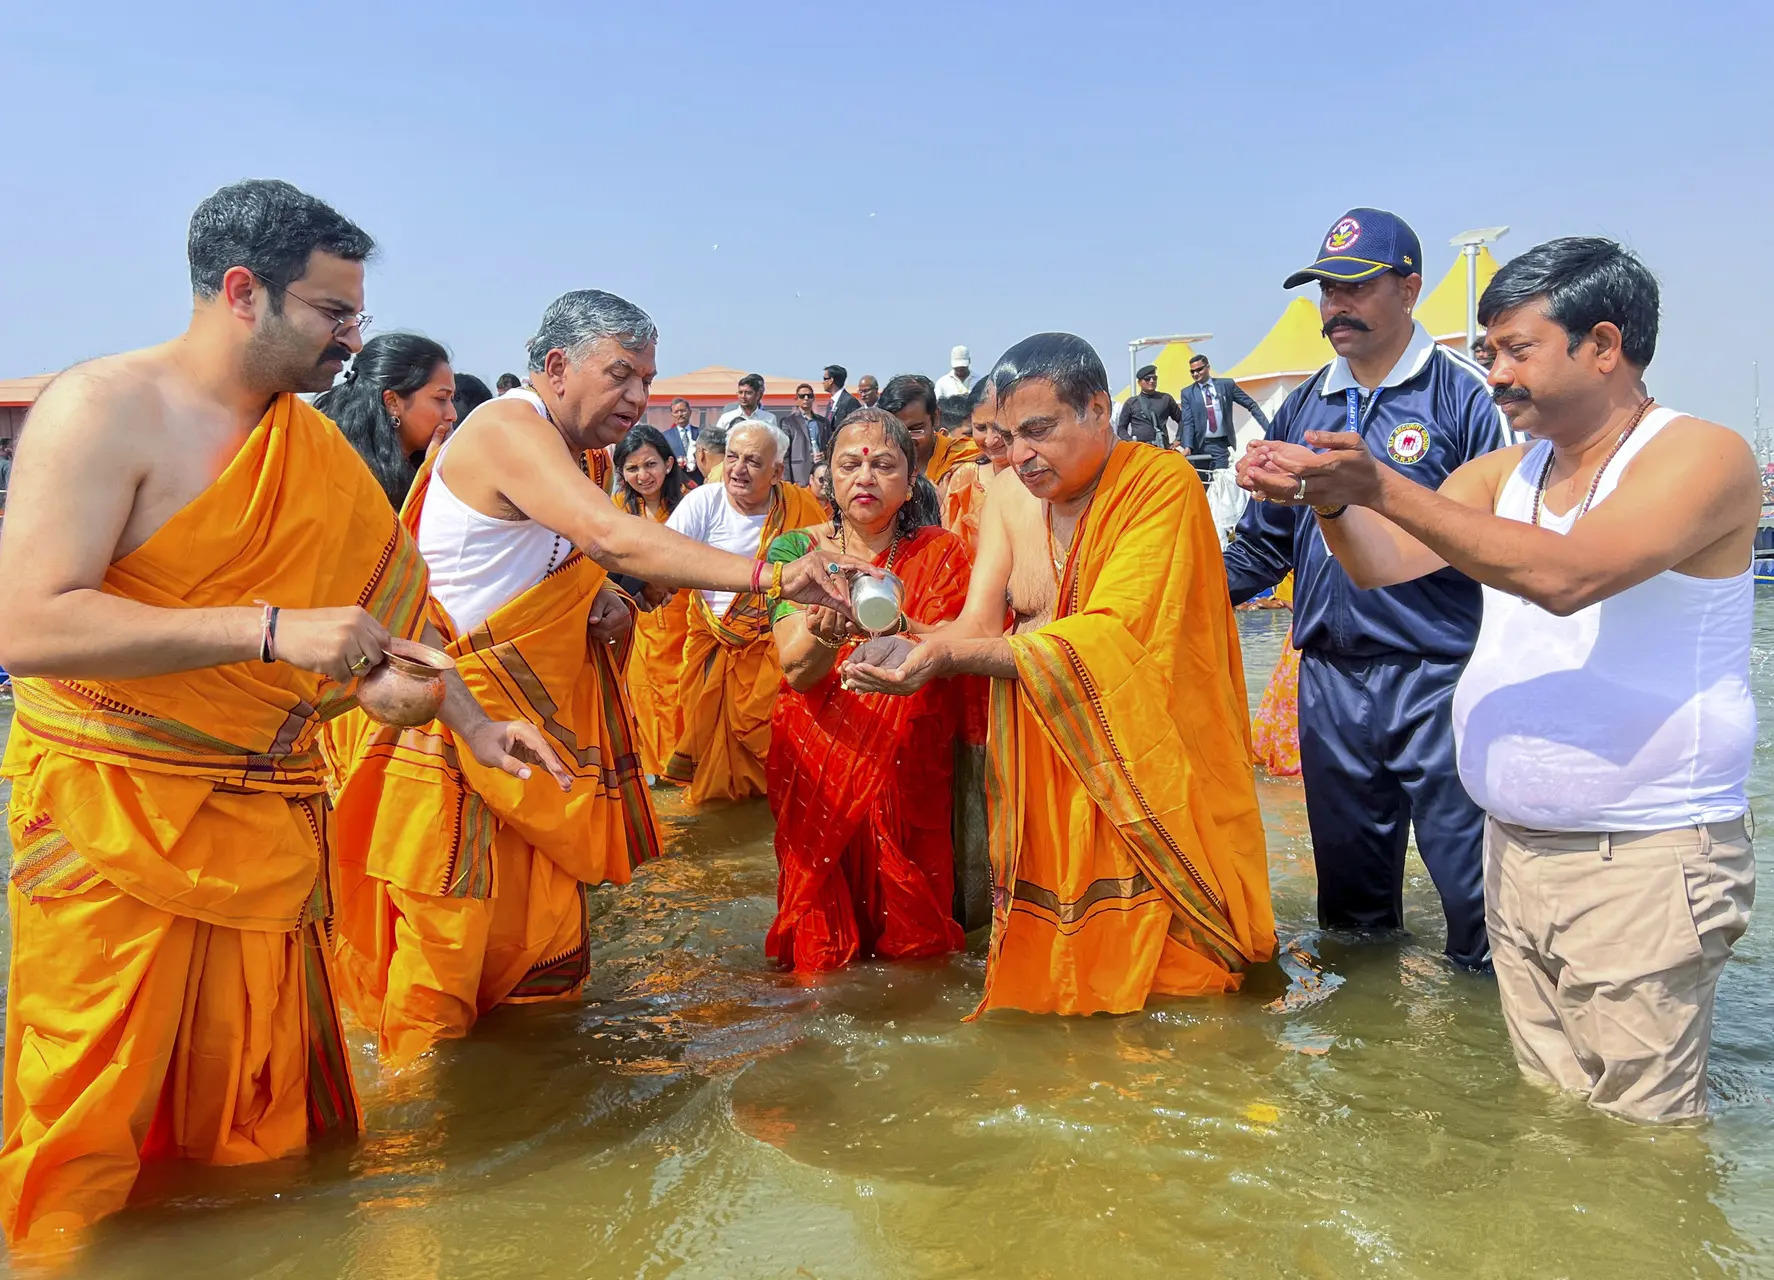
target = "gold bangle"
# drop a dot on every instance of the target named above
(819, 639)
(775, 591)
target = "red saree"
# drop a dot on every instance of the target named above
(860, 786)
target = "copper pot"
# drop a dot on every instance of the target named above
(407, 689)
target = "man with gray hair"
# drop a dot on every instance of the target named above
(520, 539)
(731, 670)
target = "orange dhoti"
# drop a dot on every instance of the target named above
(462, 887)
(731, 675)
(1127, 848)
(860, 787)
(655, 666)
(958, 468)
(169, 990)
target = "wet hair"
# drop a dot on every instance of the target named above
(977, 396)
(922, 505)
(904, 389)
(508, 382)
(755, 381)
(955, 410)
(1063, 359)
(671, 493)
(397, 362)
(837, 373)
(1584, 281)
(576, 320)
(271, 229)
(471, 394)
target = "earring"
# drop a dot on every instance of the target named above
(396, 418)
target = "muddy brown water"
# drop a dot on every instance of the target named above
(700, 1115)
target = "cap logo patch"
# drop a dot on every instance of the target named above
(1342, 236)
(1409, 442)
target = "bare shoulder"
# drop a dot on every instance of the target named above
(1479, 483)
(1705, 439)
(108, 392)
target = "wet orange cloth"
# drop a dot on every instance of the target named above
(463, 887)
(731, 674)
(860, 785)
(169, 991)
(655, 666)
(1126, 843)
(1275, 725)
(958, 468)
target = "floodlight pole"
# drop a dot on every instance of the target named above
(1469, 243)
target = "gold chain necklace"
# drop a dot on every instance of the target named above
(892, 547)
(1596, 483)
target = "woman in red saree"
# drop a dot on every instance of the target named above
(652, 483)
(860, 785)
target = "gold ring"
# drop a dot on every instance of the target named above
(359, 663)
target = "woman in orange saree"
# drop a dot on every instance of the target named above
(860, 785)
(652, 483)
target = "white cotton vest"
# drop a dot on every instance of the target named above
(479, 562)
(1633, 714)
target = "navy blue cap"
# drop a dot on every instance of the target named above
(1360, 245)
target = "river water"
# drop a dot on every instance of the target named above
(700, 1115)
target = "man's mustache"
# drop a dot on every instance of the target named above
(334, 353)
(1511, 395)
(1345, 322)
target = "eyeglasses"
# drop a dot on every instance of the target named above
(341, 323)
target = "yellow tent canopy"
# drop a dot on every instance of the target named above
(1442, 310)
(1294, 347)
(1173, 369)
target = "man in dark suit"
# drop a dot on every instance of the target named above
(1207, 413)
(843, 404)
(681, 436)
(806, 433)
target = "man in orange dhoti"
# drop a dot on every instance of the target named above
(731, 673)
(1126, 843)
(463, 889)
(952, 463)
(227, 568)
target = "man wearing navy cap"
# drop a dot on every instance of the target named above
(1378, 668)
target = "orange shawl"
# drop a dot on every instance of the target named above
(419, 812)
(1127, 846)
(178, 788)
(654, 668)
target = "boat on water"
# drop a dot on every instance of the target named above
(1763, 556)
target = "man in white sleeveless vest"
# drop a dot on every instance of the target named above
(1604, 723)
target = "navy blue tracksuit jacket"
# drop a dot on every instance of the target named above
(1377, 668)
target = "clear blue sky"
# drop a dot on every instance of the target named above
(885, 181)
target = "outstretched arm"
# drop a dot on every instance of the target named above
(533, 469)
(92, 443)
(1692, 490)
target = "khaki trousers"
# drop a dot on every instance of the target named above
(1608, 949)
